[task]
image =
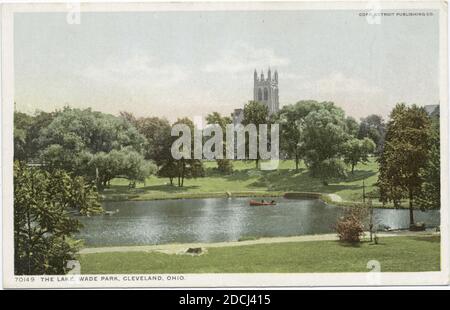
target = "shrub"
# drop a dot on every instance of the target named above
(225, 166)
(328, 170)
(420, 226)
(43, 227)
(350, 226)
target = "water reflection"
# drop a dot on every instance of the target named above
(213, 220)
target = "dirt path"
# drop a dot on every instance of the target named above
(181, 247)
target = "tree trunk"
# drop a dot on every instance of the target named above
(411, 210)
(182, 174)
(296, 163)
(353, 168)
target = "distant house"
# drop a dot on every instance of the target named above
(238, 116)
(432, 109)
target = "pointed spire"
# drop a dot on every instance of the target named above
(269, 75)
(276, 76)
(255, 76)
(262, 75)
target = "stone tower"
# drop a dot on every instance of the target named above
(266, 90)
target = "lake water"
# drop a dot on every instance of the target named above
(221, 219)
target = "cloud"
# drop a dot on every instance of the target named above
(355, 95)
(339, 83)
(243, 58)
(135, 72)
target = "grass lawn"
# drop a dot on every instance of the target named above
(247, 180)
(400, 254)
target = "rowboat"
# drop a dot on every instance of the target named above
(111, 212)
(262, 203)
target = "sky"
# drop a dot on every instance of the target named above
(176, 64)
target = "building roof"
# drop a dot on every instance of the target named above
(431, 108)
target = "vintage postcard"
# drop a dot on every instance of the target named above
(224, 144)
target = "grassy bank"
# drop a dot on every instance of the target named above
(247, 181)
(393, 253)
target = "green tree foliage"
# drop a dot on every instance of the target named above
(184, 168)
(405, 155)
(356, 151)
(256, 113)
(43, 227)
(352, 126)
(125, 163)
(93, 144)
(26, 134)
(328, 169)
(22, 124)
(430, 195)
(157, 135)
(168, 169)
(217, 118)
(224, 165)
(324, 135)
(95, 131)
(291, 119)
(373, 127)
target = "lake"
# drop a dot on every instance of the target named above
(222, 219)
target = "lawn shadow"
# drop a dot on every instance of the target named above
(430, 238)
(350, 244)
(302, 181)
(359, 175)
(375, 244)
(169, 188)
(238, 175)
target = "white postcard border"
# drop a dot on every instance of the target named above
(213, 280)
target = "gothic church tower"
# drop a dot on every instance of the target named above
(266, 90)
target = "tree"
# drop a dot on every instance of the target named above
(168, 169)
(352, 126)
(157, 135)
(329, 169)
(26, 134)
(404, 155)
(22, 124)
(73, 138)
(125, 163)
(373, 127)
(430, 194)
(224, 165)
(43, 227)
(94, 131)
(325, 134)
(184, 167)
(356, 150)
(256, 113)
(291, 119)
(135, 167)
